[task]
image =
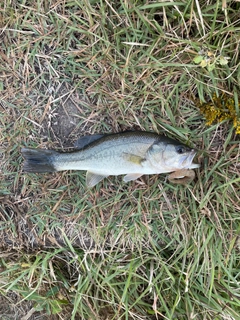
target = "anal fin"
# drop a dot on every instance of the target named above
(131, 176)
(93, 178)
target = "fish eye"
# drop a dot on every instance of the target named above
(181, 149)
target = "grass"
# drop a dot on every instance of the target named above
(142, 250)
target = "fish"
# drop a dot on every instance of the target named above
(129, 153)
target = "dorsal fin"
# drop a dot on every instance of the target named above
(84, 141)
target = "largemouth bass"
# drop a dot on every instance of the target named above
(131, 153)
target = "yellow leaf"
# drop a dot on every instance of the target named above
(203, 63)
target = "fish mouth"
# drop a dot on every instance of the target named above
(187, 161)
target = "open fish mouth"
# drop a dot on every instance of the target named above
(187, 161)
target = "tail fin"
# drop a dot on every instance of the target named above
(38, 160)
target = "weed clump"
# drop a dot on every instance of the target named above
(220, 108)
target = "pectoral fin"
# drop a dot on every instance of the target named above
(132, 176)
(86, 140)
(133, 158)
(93, 178)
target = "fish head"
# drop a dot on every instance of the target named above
(171, 156)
